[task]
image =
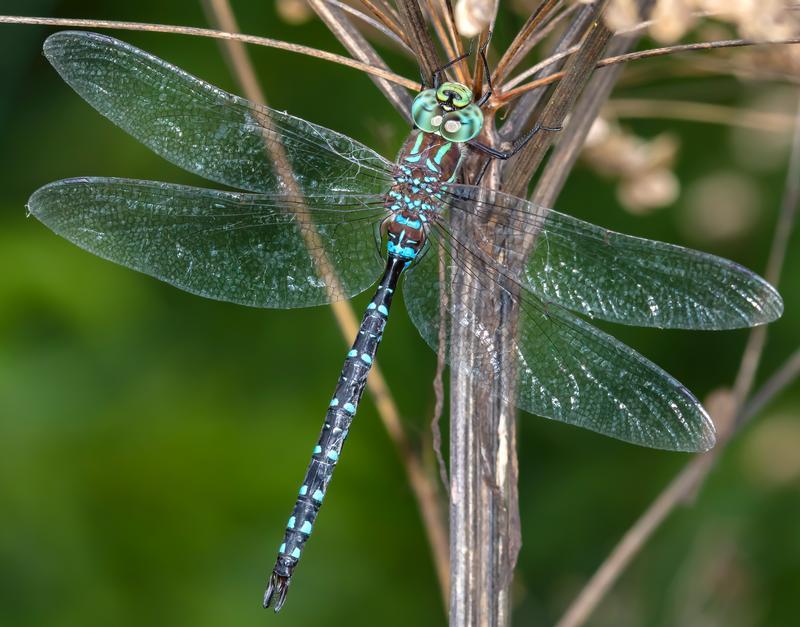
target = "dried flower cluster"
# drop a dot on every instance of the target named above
(644, 167)
(671, 19)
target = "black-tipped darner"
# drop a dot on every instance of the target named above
(307, 231)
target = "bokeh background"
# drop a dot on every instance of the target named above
(151, 442)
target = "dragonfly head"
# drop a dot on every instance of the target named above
(448, 111)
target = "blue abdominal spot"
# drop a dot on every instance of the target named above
(401, 251)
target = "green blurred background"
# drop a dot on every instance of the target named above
(151, 442)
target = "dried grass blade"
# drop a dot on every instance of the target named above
(380, 72)
(358, 46)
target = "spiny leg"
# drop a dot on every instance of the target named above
(518, 144)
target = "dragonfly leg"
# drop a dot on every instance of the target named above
(518, 145)
(489, 89)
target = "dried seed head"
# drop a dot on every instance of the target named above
(671, 20)
(293, 11)
(652, 190)
(770, 452)
(643, 167)
(474, 16)
(757, 19)
(722, 206)
(621, 14)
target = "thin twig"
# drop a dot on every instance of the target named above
(522, 109)
(788, 373)
(420, 38)
(633, 30)
(583, 114)
(686, 483)
(702, 112)
(381, 22)
(646, 54)
(440, 27)
(216, 34)
(514, 52)
(337, 22)
(578, 71)
(536, 37)
(424, 491)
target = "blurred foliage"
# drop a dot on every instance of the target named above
(151, 442)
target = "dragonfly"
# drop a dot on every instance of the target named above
(320, 216)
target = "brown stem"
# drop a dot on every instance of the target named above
(420, 38)
(216, 34)
(386, 20)
(687, 482)
(701, 112)
(575, 77)
(424, 490)
(646, 54)
(583, 114)
(358, 46)
(514, 52)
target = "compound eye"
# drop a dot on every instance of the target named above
(426, 112)
(461, 94)
(463, 125)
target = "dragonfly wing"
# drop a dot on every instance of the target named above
(612, 276)
(206, 130)
(566, 369)
(253, 249)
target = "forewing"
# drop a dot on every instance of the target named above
(566, 369)
(253, 249)
(609, 275)
(208, 131)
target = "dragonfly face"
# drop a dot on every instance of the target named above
(448, 111)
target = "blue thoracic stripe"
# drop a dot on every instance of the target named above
(341, 411)
(441, 153)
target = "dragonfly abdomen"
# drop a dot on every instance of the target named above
(338, 419)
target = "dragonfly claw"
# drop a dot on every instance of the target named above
(276, 590)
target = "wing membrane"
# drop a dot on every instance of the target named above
(611, 276)
(253, 249)
(566, 369)
(206, 130)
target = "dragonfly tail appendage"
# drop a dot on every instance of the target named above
(277, 588)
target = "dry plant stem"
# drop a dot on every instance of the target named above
(519, 45)
(687, 482)
(357, 46)
(576, 75)
(701, 112)
(424, 490)
(386, 20)
(646, 54)
(787, 374)
(216, 34)
(582, 117)
(446, 8)
(518, 119)
(484, 519)
(534, 39)
(419, 37)
(444, 36)
(397, 37)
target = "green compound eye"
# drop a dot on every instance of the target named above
(426, 112)
(461, 94)
(461, 126)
